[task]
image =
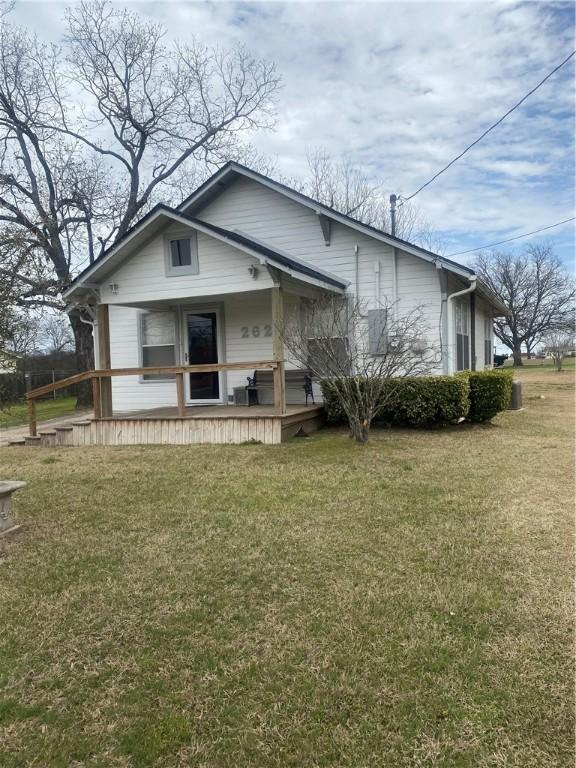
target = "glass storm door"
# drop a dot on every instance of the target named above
(202, 336)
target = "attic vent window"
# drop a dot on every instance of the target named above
(181, 255)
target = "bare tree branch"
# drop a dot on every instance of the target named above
(338, 339)
(94, 132)
(536, 288)
(344, 187)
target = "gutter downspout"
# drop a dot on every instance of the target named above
(395, 281)
(450, 342)
(473, 330)
(357, 273)
(443, 329)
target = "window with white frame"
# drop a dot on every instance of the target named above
(157, 343)
(462, 335)
(181, 254)
(488, 341)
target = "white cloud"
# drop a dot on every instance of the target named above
(402, 88)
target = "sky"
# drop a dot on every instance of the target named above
(402, 88)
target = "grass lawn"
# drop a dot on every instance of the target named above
(15, 414)
(568, 363)
(314, 604)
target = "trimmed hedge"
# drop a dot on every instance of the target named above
(489, 393)
(429, 401)
(422, 401)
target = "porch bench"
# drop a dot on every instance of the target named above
(262, 383)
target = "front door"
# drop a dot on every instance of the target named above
(201, 336)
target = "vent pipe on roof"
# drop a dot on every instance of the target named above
(393, 199)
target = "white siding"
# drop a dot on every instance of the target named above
(128, 392)
(222, 269)
(245, 319)
(269, 217)
(419, 289)
(482, 313)
(253, 313)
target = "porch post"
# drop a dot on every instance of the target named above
(278, 348)
(104, 360)
(180, 397)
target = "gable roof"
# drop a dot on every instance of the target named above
(212, 187)
(155, 220)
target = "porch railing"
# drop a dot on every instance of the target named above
(101, 379)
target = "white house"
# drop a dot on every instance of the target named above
(204, 284)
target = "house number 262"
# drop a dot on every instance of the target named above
(255, 331)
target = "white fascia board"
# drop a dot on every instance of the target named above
(303, 278)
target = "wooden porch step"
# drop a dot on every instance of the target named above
(64, 435)
(47, 438)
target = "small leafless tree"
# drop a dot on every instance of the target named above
(538, 291)
(55, 333)
(558, 344)
(359, 350)
(94, 131)
(22, 336)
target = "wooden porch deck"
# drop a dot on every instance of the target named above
(219, 412)
(209, 424)
(206, 424)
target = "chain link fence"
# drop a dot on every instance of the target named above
(13, 386)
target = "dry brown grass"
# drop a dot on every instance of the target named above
(319, 603)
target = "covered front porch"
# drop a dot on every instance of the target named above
(179, 373)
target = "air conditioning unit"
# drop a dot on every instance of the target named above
(419, 346)
(394, 342)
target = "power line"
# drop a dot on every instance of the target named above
(487, 131)
(509, 240)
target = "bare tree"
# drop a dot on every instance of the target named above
(22, 338)
(536, 288)
(93, 132)
(341, 185)
(55, 333)
(558, 344)
(8, 317)
(359, 350)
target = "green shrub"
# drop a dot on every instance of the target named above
(425, 401)
(422, 401)
(489, 393)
